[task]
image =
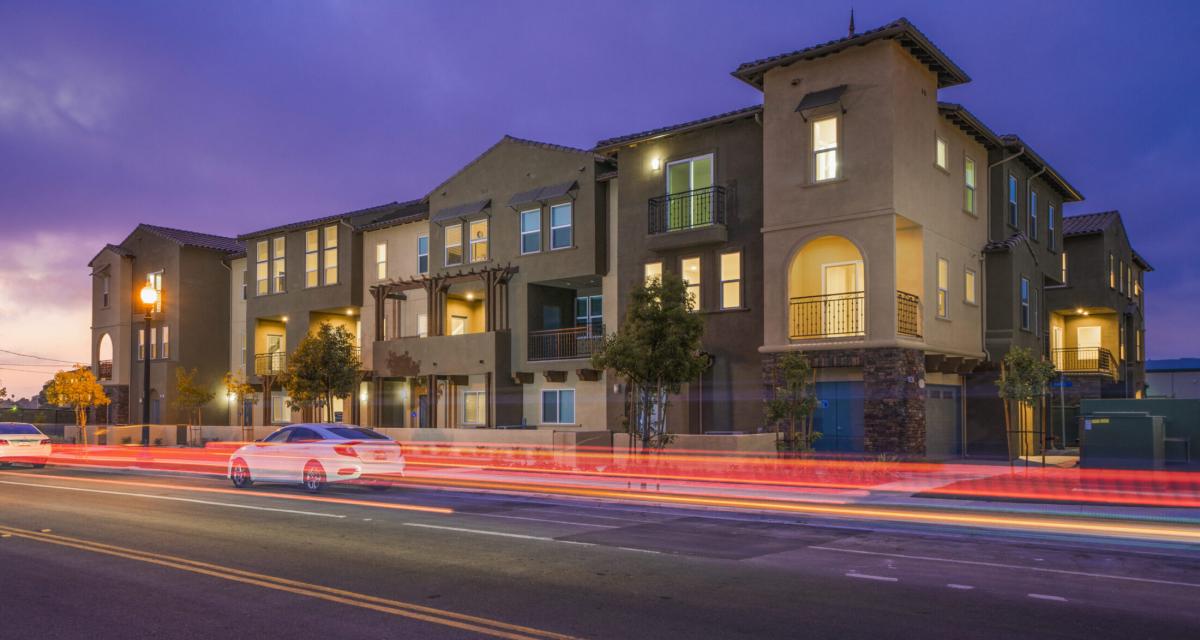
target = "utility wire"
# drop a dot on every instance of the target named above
(29, 355)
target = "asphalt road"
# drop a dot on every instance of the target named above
(102, 555)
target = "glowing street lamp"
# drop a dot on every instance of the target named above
(149, 296)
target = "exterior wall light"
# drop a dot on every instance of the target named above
(655, 163)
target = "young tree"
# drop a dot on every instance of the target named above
(190, 397)
(79, 390)
(656, 350)
(237, 389)
(324, 366)
(1023, 380)
(793, 402)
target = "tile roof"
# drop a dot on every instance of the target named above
(115, 248)
(960, 117)
(1031, 158)
(410, 211)
(681, 127)
(1008, 244)
(903, 31)
(356, 218)
(1086, 223)
(187, 238)
(513, 139)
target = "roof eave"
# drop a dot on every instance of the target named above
(612, 144)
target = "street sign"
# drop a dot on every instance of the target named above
(1058, 384)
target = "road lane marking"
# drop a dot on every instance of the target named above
(867, 576)
(173, 499)
(1042, 596)
(580, 524)
(477, 624)
(1000, 565)
(484, 532)
(963, 587)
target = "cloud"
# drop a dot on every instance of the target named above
(57, 96)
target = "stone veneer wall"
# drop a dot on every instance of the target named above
(118, 409)
(893, 403)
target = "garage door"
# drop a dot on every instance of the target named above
(943, 412)
(839, 416)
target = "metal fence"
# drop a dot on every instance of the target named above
(827, 316)
(561, 344)
(687, 210)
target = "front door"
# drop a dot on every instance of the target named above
(839, 416)
(843, 312)
(423, 411)
(943, 425)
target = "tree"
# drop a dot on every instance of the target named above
(237, 389)
(324, 366)
(656, 350)
(79, 390)
(190, 397)
(1023, 380)
(793, 402)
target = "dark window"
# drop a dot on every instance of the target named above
(279, 436)
(356, 434)
(304, 435)
(1012, 200)
(19, 430)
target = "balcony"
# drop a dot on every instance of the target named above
(688, 218)
(908, 314)
(565, 344)
(1085, 360)
(835, 315)
(270, 364)
(104, 370)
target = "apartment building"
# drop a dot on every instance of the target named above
(513, 303)
(189, 271)
(690, 203)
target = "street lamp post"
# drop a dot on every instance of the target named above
(149, 297)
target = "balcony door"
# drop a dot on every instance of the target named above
(275, 349)
(843, 311)
(684, 178)
(1056, 345)
(1087, 341)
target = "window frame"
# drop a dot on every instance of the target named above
(941, 153)
(536, 232)
(1014, 203)
(485, 241)
(1112, 271)
(423, 319)
(727, 281)
(570, 226)
(1051, 242)
(381, 260)
(262, 267)
(558, 404)
(423, 255)
(1064, 267)
(1023, 294)
(942, 307)
(970, 185)
(141, 354)
(446, 245)
(480, 397)
(646, 268)
(312, 258)
(279, 264)
(105, 287)
(1033, 215)
(329, 250)
(970, 287)
(164, 343)
(815, 153)
(688, 285)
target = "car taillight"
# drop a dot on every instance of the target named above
(3, 443)
(346, 450)
(45, 441)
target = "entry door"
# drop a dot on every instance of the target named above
(686, 176)
(839, 416)
(843, 313)
(423, 411)
(943, 425)
(1087, 339)
(274, 348)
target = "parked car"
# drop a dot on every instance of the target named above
(23, 443)
(315, 455)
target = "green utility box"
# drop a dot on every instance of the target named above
(1181, 430)
(1112, 441)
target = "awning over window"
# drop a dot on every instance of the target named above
(461, 211)
(821, 98)
(542, 194)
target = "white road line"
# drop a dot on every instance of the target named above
(479, 531)
(867, 576)
(580, 524)
(639, 550)
(999, 565)
(963, 587)
(1042, 596)
(174, 499)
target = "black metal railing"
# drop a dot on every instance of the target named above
(835, 315)
(270, 364)
(562, 344)
(908, 314)
(104, 370)
(687, 210)
(1084, 360)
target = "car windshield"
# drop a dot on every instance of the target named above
(19, 430)
(352, 433)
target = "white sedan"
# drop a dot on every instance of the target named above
(314, 455)
(23, 443)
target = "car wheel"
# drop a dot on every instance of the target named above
(380, 485)
(38, 465)
(239, 474)
(314, 476)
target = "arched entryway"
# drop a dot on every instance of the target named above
(826, 290)
(104, 358)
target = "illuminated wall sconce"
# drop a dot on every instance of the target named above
(655, 163)
(285, 318)
(362, 395)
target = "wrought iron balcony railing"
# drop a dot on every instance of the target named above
(687, 210)
(835, 315)
(563, 344)
(104, 370)
(270, 364)
(908, 314)
(1085, 360)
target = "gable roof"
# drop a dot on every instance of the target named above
(902, 31)
(1088, 223)
(972, 126)
(411, 211)
(682, 127)
(507, 139)
(186, 238)
(115, 248)
(1014, 143)
(356, 219)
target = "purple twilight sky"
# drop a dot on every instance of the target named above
(230, 116)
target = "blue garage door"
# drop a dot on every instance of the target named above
(839, 416)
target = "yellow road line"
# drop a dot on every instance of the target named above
(477, 624)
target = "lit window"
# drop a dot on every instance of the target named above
(969, 292)
(262, 268)
(454, 249)
(941, 156)
(381, 260)
(558, 406)
(969, 186)
(165, 352)
(155, 280)
(689, 185)
(1063, 276)
(943, 288)
(279, 407)
(141, 344)
(479, 240)
(104, 284)
(1112, 271)
(331, 254)
(153, 344)
(1050, 241)
(531, 231)
(690, 271)
(1025, 303)
(653, 271)
(1138, 353)
(278, 264)
(422, 254)
(312, 258)
(474, 407)
(1012, 200)
(731, 280)
(1033, 215)
(825, 148)
(560, 226)
(422, 325)
(458, 325)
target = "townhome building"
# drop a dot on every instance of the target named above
(690, 203)
(188, 270)
(513, 304)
